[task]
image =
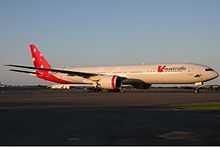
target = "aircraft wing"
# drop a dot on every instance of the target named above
(69, 72)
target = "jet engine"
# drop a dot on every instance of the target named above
(110, 82)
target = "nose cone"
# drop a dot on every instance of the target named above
(214, 75)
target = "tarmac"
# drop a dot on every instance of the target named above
(140, 117)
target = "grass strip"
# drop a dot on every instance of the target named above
(199, 106)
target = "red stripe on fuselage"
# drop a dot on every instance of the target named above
(113, 82)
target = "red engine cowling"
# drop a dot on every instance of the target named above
(110, 82)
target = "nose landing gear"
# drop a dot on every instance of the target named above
(198, 86)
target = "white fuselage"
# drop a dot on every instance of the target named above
(152, 74)
(113, 77)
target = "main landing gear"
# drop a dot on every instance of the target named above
(196, 90)
(198, 86)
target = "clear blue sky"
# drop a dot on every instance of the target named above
(108, 32)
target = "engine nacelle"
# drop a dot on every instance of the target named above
(110, 82)
(139, 84)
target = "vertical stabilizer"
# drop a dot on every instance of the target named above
(37, 57)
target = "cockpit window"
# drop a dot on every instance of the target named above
(209, 69)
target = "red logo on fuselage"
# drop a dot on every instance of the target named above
(161, 68)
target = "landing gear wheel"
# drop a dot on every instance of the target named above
(196, 90)
(198, 85)
(121, 90)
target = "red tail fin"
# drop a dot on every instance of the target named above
(37, 57)
(40, 62)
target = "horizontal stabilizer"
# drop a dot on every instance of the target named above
(23, 71)
(71, 73)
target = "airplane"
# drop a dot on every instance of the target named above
(113, 78)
